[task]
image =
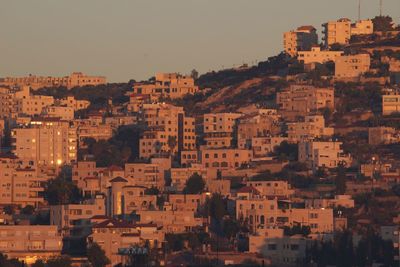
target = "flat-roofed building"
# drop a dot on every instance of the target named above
(316, 55)
(225, 158)
(47, 141)
(303, 38)
(362, 27)
(219, 129)
(318, 154)
(390, 104)
(352, 66)
(337, 32)
(312, 127)
(29, 243)
(383, 135)
(303, 99)
(169, 85)
(36, 82)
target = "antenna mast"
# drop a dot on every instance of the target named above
(359, 9)
(380, 7)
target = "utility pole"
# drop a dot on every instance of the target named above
(359, 9)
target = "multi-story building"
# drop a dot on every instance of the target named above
(70, 101)
(312, 127)
(261, 146)
(352, 66)
(390, 103)
(322, 154)
(303, 38)
(36, 82)
(70, 218)
(302, 99)
(29, 243)
(20, 182)
(169, 130)
(262, 212)
(339, 201)
(168, 85)
(362, 27)
(316, 55)
(264, 123)
(337, 32)
(171, 221)
(383, 135)
(47, 141)
(280, 189)
(62, 112)
(219, 129)
(225, 158)
(144, 174)
(113, 236)
(179, 176)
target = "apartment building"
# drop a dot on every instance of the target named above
(316, 55)
(390, 103)
(144, 174)
(29, 243)
(303, 38)
(61, 112)
(36, 82)
(20, 182)
(74, 219)
(302, 99)
(179, 176)
(362, 27)
(225, 158)
(352, 66)
(383, 135)
(262, 212)
(169, 130)
(76, 104)
(219, 129)
(318, 154)
(338, 201)
(263, 123)
(47, 141)
(312, 127)
(115, 236)
(171, 221)
(280, 189)
(337, 32)
(168, 85)
(261, 146)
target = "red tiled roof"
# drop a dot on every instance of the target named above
(114, 168)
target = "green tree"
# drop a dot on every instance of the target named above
(172, 142)
(97, 256)
(62, 261)
(195, 184)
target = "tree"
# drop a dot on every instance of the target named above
(341, 180)
(28, 210)
(286, 151)
(151, 191)
(61, 191)
(97, 256)
(8, 209)
(382, 23)
(195, 184)
(62, 261)
(194, 74)
(172, 143)
(217, 207)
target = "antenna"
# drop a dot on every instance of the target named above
(359, 9)
(380, 7)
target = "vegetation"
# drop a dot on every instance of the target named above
(62, 190)
(195, 184)
(383, 23)
(96, 256)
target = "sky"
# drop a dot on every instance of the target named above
(134, 39)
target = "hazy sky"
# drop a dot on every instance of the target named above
(132, 39)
